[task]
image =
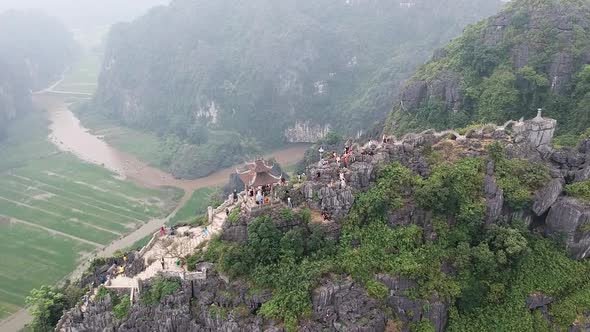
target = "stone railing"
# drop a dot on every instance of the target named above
(220, 209)
(150, 244)
(253, 207)
(183, 275)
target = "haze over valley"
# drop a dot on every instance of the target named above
(295, 165)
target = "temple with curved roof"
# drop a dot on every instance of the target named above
(258, 173)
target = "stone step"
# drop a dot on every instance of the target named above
(158, 251)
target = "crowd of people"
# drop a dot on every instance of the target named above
(342, 161)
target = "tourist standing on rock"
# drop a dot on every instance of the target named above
(162, 231)
(205, 231)
(259, 197)
(289, 202)
(235, 195)
(162, 262)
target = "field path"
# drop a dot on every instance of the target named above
(52, 231)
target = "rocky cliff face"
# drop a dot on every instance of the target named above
(28, 63)
(14, 96)
(215, 304)
(304, 132)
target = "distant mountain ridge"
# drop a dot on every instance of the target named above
(275, 71)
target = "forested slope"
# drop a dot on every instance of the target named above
(273, 70)
(34, 52)
(534, 54)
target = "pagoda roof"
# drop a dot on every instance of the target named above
(258, 173)
(263, 179)
(259, 166)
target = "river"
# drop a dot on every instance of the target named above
(69, 135)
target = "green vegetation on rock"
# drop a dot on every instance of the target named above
(579, 190)
(158, 288)
(194, 208)
(495, 267)
(531, 55)
(47, 304)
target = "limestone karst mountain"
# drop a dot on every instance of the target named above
(288, 71)
(29, 63)
(414, 242)
(533, 54)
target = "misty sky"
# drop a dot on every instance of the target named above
(86, 13)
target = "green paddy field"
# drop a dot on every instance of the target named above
(55, 210)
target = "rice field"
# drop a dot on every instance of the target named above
(55, 210)
(196, 206)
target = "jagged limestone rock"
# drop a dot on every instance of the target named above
(547, 196)
(568, 221)
(537, 133)
(493, 194)
(345, 306)
(410, 310)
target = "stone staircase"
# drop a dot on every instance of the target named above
(180, 244)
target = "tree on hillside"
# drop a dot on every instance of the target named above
(47, 305)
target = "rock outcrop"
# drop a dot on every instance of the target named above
(569, 221)
(537, 133)
(493, 194)
(409, 310)
(305, 132)
(547, 196)
(344, 306)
